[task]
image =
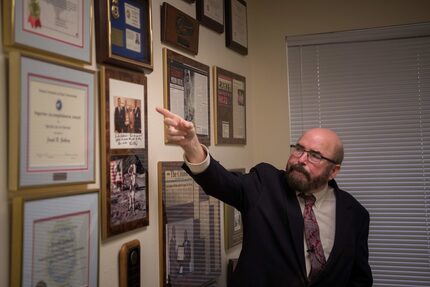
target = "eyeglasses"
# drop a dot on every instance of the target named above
(313, 156)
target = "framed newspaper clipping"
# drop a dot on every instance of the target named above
(124, 33)
(124, 146)
(55, 241)
(190, 244)
(60, 28)
(186, 91)
(51, 124)
(230, 107)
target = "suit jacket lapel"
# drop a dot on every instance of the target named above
(295, 220)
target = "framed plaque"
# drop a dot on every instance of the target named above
(51, 123)
(233, 227)
(124, 33)
(179, 29)
(230, 107)
(190, 229)
(186, 91)
(55, 241)
(236, 32)
(124, 146)
(50, 27)
(210, 13)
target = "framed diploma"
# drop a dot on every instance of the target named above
(53, 27)
(124, 145)
(236, 32)
(124, 33)
(186, 91)
(55, 241)
(190, 229)
(233, 228)
(51, 124)
(230, 107)
(179, 29)
(210, 13)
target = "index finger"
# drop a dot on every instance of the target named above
(165, 112)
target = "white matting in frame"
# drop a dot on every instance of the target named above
(56, 123)
(60, 241)
(56, 27)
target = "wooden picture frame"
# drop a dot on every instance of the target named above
(210, 13)
(55, 241)
(179, 29)
(189, 230)
(236, 21)
(124, 145)
(124, 33)
(230, 107)
(186, 91)
(51, 124)
(233, 226)
(49, 29)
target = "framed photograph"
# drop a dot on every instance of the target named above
(186, 91)
(55, 241)
(51, 123)
(210, 13)
(124, 146)
(124, 33)
(230, 107)
(50, 27)
(233, 227)
(179, 29)
(190, 229)
(236, 20)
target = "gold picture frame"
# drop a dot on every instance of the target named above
(72, 221)
(186, 89)
(124, 145)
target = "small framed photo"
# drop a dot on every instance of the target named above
(230, 107)
(210, 13)
(124, 148)
(236, 26)
(51, 124)
(186, 91)
(124, 33)
(50, 28)
(190, 230)
(233, 227)
(179, 29)
(55, 241)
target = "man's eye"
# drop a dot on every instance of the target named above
(315, 155)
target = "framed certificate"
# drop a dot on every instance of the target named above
(55, 241)
(51, 123)
(179, 29)
(53, 27)
(124, 148)
(190, 230)
(236, 33)
(233, 227)
(210, 13)
(230, 107)
(124, 33)
(186, 91)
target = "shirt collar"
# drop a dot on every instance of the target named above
(320, 196)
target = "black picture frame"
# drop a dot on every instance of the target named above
(210, 13)
(236, 22)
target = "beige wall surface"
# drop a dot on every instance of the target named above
(269, 22)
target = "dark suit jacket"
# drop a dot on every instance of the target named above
(272, 251)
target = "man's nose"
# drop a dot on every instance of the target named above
(303, 158)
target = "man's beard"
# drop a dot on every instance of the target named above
(308, 183)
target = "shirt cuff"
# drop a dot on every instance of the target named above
(200, 167)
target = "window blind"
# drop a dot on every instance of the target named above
(373, 88)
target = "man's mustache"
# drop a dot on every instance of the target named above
(299, 168)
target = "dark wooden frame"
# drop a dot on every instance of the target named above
(223, 107)
(229, 33)
(105, 55)
(179, 29)
(206, 20)
(126, 156)
(170, 59)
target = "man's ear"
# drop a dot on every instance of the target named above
(334, 171)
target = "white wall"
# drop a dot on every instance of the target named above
(267, 104)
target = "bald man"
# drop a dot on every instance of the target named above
(300, 228)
